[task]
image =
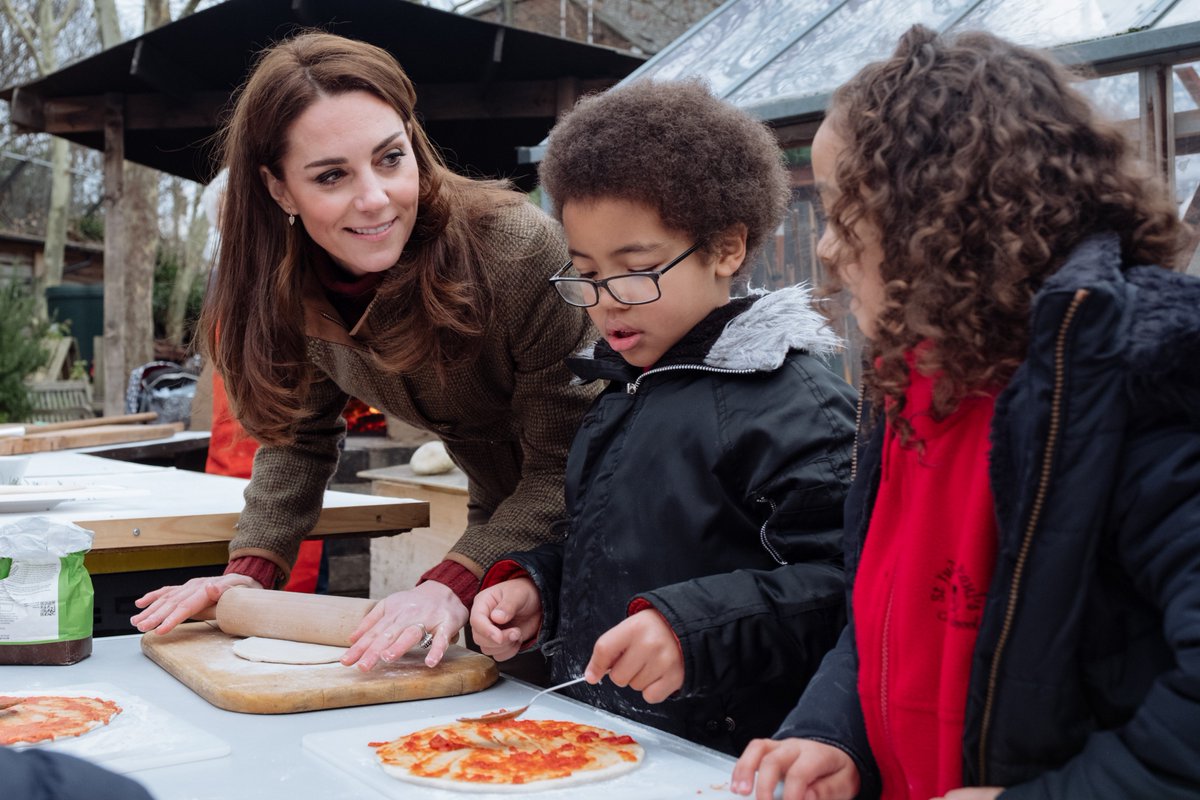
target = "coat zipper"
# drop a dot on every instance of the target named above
(858, 409)
(1035, 513)
(883, 670)
(632, 388)
(762, 533)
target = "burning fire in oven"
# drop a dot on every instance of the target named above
(363, 419)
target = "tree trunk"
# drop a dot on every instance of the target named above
(56, 218)
(191, 269)
(141, 187)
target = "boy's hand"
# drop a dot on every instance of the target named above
(506, 615)
(806, 768)
(641, 653)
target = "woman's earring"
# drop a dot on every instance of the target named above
(291, 219)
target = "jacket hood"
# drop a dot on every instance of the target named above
(1161, 341)
(752, 333)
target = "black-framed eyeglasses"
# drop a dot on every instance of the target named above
(634, 289)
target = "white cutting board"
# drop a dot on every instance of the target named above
(673, 768)
(142, 736)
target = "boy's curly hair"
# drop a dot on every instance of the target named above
(701, 163)
(982, 168)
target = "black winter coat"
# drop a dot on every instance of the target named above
(712, 486)
(1085, 681)
(38, 775)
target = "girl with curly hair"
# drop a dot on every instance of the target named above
(701, 569)
(1023, 531)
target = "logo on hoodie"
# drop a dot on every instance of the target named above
(959, 598)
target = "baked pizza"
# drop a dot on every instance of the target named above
(516, 755)
(44, 718)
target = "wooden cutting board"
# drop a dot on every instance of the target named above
(201, 657)
(92, 436)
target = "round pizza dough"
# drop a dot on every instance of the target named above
(282, 651)
(441, 756)
(45, 718)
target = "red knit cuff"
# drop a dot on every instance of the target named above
(501, 571)
(461, 580)
(641, 604)
(260, 569)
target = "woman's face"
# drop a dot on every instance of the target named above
(350, 177)
(859, 271)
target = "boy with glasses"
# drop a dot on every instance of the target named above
(701, 570)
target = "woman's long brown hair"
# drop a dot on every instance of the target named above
(982, 168)
(252, 324)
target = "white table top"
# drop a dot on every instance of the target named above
(292, 756)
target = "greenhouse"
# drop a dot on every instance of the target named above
(781, 59)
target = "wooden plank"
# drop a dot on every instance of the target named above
(202, 658)
(141, 532)
(91, 436)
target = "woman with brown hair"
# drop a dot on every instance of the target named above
(1023, 531)
(354, 263)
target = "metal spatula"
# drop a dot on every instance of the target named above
(503, 714)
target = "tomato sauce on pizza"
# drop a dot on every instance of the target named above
(528, 753)
(44, 718)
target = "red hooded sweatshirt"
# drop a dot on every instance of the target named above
(919, 594)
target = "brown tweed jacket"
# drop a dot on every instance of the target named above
(507, 417)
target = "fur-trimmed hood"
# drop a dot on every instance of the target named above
(1159, 336)
(753, 333)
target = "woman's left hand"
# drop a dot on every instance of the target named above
(393, 626)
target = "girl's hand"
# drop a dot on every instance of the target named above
(393, 626)
(167, 607)
(505, 616)
(641, 653)
(972, 793)
(807, 769)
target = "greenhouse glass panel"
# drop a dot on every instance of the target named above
(859, 32)
(1043, 23)
(1116, 96)
(1186, 83)
(1184, 11)
(739, 39)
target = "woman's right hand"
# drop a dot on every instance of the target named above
(167, 607)
(505, 616)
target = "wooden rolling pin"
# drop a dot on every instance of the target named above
(316, 618)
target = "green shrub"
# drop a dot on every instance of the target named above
(21, 351)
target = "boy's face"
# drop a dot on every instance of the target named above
(610, 237)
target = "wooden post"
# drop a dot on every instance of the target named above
(1157, 121)
(116, 255)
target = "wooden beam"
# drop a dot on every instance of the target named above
(116, 255)
(1157, 121)
(26, 110)
(67, 115)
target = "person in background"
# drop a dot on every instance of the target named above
(1023, 532)
(701, 569)
(353, 262)
(38, 775)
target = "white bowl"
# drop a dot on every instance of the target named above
(12, 469)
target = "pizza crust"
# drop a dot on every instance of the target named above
(282, 651)
(47, 718)
(574, 779)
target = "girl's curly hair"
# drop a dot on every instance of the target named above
(982, 168)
